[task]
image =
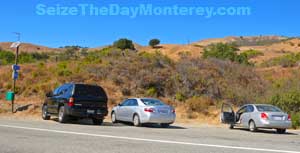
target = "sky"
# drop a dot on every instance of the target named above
(267, 17)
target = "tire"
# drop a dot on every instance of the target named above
(281, 131)
(136, 120)
(45, 114)
(165, 125)
(252, 126)
(114, 118)
(97, 121)
(231, 126)
(62, 117)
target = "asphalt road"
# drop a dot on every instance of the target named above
(19, 136)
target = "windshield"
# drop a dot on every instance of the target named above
(152, 102)
(267, 108)
(89, 91)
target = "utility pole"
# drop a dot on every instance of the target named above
(15, 68)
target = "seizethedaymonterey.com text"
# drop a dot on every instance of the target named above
(140, 10)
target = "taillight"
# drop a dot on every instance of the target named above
(71, 102)
(289, 117)
(173, 111)
(151, 110)
(264, 116)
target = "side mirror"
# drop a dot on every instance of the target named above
(49, 94)
(119, 104)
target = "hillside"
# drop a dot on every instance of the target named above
(270, 46)
(28, 47)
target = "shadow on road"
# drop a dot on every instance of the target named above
(89, 122)
(266, 131)
(22, 108)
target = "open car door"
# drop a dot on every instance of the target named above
(227, 114)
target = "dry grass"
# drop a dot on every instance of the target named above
(27, 47)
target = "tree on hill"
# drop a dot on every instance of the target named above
(154, 42)
(123, 44)
(225, 52)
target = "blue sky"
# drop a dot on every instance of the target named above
(268, 17)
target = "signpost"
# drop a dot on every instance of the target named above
(15, 73)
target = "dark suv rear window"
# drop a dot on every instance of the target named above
(89, 91)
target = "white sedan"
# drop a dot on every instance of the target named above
(143, 110)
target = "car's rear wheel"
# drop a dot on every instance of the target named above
(281, 131)
(252, 126)
(165, 125)
(45, 114)
(62, 117)
(136, 120)
(114, 118)
(97, 121)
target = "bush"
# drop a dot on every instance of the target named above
(152, 92)
(252, 53)
(7, 57)
(289, 60)
(295, 120)
(224, 52)
(288, 101)
(199, 104)
(124, 44)
(154, 42)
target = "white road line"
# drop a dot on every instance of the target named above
(149, 140)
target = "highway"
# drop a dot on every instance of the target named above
(37, 136)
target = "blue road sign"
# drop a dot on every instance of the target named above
(16, 67)
(15, 75)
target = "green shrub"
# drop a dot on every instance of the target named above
(64, 73)
(252, 53)
(7, 57)
(225, 52)
(289, 60)
(295, 120)
(152, 92)
(288, 101)
(179, 96)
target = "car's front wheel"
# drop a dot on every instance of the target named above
(281, 131)
(62, 117)
(114, 118)
(252, 126)
(45, 114)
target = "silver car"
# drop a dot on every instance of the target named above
(254, 116)
(143, 110)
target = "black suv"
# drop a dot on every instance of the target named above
(73, 100)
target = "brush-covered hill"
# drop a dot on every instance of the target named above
(29, 48)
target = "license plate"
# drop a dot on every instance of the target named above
(163, 111)
(277, 118)
(90, 111)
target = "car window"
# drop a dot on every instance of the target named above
(267, 108)
(250, 108)
(68, 90)
(126, 102)
(56, 91)
(152, 102)
(133, 102)
(89, 91)
(62, 90)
